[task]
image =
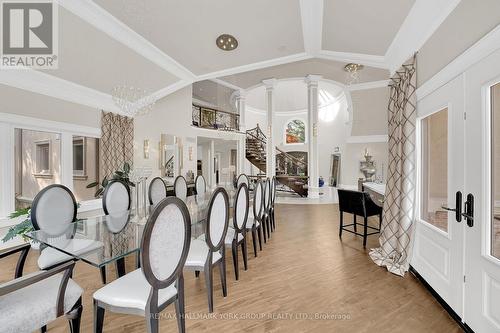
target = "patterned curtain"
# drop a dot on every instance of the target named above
(117, 142)
(398, 214)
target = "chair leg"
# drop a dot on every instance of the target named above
(355, 223)
(268, 223)
(75, 317)
(103, 274)
(380, 222)
(263, 227)
(138, 260)
(120, 267)
(259, 233)
(273, 220)
(365, 231)
(234, 248)
(244, 251)
(179, 306)
(254, 241)
(222, 268)
(152, 322)
(209, 285)
(43, 329)
(341, 223)
(98, 318)
(197, 273)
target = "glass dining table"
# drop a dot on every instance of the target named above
(104, 239)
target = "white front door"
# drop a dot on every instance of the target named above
(438, 249)
(482, 181)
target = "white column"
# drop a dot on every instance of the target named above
(67, 160)
(312, 135)
(270, 144)
(240, 105)
(211, 164)
(7, 173)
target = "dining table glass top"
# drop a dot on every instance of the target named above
(103, 239)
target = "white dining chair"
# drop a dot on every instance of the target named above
(180, 187)
(266, 225)
(236, 233)
(242, 179)
(116, 198)
(205, 254)
(273, 199)
(200, 184)
(159, 282)
(254, 221)
(157, 191)
(31, 302)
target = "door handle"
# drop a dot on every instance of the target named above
(469, 210)
(458, 207)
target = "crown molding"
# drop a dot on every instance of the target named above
(226, 84)
(364, 59)
(422, 21)
(481, 49)
(96, 16)
(311, 13)
(49, 85)
(368, 85)
(255, 66)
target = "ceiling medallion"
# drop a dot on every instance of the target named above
(352, 71)
(226, 42)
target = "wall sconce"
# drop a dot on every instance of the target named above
(190, 153)
(146, 149)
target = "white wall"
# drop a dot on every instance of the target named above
(171, 115)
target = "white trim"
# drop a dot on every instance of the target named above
(376, 61)
(481, 49)
(255, 66)
(7, 189)
(368, 85)
(37, 124)
(107, 23)
(226, 84)
(49, 85)
(422, 21)
(367, 138)
(311, 13)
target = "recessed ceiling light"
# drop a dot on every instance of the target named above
(226, 42)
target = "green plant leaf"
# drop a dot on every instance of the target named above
(93, 184)
(20, 212)
(99, 192)
(126, 167)
(19, 229)
(105, 182)
(118, 174)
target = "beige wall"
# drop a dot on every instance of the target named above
(171, 115)
(27, 103)
(370, 111)
(354, 153)
(469, 22)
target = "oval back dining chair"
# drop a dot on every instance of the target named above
(116, 198)
(205, 254)
(200, 184)
(236, 233)
(157, 191)
(243, 179)
(159, 282)
(180, 187)
(267, 204)
(273, 199)
(52, 211)
(254, 223)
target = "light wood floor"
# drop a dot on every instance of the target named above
(304, 270)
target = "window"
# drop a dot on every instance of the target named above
(79, 157)
(295, 132)
(435, 169)
(42, 158)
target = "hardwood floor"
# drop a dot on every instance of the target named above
(303, 272)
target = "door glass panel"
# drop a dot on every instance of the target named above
(37, 164)
(435, 169)
(495, 177)
(85, 166)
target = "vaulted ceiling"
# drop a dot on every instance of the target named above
(164, 45)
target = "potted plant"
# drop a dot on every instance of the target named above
(20, 229)
(122, 175)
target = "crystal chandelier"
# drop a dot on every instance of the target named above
(133, 101)
(352, 71)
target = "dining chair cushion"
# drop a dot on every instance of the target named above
(53, 209)
(131, 291)
(218, 216)
(201, 186)
(34, 306)
(157, 191)
(180, 188)
(116, 198)
(241, 209)
(50, 257)
(257, 201)
(198, 252)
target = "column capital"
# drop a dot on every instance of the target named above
(313, 79)
(240, 94)
(270, 83)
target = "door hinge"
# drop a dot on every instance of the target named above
(465, 115)
(464, 278)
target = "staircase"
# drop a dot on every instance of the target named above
(288, 167)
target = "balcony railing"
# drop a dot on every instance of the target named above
(215, 119)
